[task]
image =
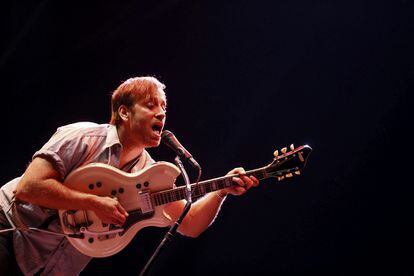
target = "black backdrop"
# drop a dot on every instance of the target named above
(243, 78)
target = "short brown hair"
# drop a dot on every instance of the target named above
(131, 91)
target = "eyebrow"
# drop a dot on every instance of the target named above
(153, 99)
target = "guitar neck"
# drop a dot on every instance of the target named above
(202, 188)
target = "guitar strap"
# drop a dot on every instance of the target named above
(14, 220)
(16, 224)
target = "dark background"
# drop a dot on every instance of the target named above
(243, 79)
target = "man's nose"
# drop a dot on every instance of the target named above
(160, 114)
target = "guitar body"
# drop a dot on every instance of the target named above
(85, 230)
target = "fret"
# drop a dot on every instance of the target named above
(217, 185)
(199, 190)
(196, 191)
(156, 199)
(228, 182)
(221, 184)
(182, 193)
(159, 199)
(208, 187)
(202, 189)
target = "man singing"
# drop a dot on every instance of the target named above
(32, 200)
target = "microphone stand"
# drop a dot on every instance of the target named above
(173, 229)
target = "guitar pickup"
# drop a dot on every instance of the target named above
(144, 198)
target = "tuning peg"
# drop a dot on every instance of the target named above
(283, 150)
(289, 175)
(292, 147)
(297, 172)
(276, 153)
(280, 178)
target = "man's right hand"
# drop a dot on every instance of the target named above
(109, 210)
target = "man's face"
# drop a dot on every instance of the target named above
(147, 119)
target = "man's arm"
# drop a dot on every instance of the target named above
(40, 186)
(204, 211)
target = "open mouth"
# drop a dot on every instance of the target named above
(157, 128)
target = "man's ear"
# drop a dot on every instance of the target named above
(123, 112)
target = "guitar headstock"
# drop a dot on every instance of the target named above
(288, 163)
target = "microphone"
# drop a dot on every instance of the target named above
(168, 138)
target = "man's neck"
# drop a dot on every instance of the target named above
(130, 150)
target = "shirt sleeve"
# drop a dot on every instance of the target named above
(65, 150)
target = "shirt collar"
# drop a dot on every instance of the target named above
(112, 137)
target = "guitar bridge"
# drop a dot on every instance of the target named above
(69, 221)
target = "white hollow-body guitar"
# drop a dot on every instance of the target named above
(144, 194)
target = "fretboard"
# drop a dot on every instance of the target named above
(202, 188)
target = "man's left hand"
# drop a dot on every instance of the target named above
(244, 182)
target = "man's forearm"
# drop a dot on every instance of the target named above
(201, 215)
(52, 194)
